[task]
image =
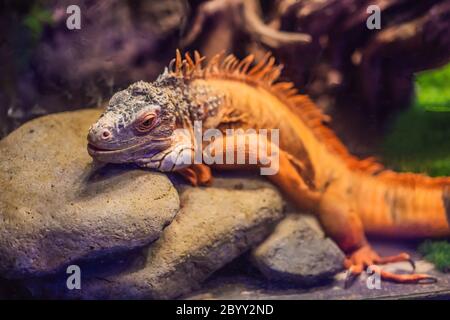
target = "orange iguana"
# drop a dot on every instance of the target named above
(351, 197)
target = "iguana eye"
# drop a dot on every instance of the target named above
(146, 123)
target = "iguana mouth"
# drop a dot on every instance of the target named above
(122, 154)
(97, 149)
(93, 150)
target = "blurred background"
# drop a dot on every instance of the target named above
(387, 89)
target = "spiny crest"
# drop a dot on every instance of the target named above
(264, 72)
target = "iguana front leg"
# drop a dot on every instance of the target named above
(288, 176)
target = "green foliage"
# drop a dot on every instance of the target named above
(433, 89)
(36, 19)
(420, 137)
(437, 252)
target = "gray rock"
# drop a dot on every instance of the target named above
(214, 226)
(297, 252)
(56, 206)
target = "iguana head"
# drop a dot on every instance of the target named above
(138, 122)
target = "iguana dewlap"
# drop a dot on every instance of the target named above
(316, 171)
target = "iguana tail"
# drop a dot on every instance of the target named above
(404, 205)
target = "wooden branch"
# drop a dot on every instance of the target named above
(243, 16)
(265, 34)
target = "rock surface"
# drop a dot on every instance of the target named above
(214, 226)
(56, 206)
(297, 252)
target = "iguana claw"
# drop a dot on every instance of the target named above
(197, 175)
(366, 257)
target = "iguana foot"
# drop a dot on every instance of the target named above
(197, 175)
(364, 257)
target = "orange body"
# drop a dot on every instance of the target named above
(356, 196)
(388, 203)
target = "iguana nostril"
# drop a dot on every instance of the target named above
(106, 134)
